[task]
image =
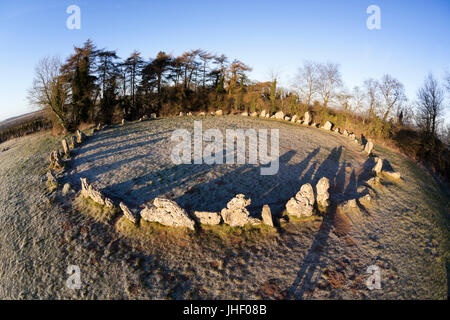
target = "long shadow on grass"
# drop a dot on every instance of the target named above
(342, 189)
(213, 194)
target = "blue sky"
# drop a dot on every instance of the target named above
(267, 35)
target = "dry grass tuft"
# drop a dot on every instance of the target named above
(94, 210)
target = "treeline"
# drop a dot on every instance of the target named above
(25, 127)
(96, 86)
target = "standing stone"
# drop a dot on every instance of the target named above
(235, 214)
(244, 114)
(65, 146)
(128, 213)
(90, 192)
(345, 133)
(327, 126)
(267, 215)
(378, 166)
(51, 180)
(124, 121)
(322, 192)
(73, 141)
(55, 159)
(168, 213)
(263, 113)
(393, 174)
(153, 115)
(80, 136)
(182, 114)
(307, 118)
(294, 118)
(369, 147)
(254, 114)
(66, 189)
(202, 113)
(209, 218)
(219, 113)
(279, 115)
(337, 130)
(287, 118)
(302, 205)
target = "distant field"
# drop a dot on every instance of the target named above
(11, 122)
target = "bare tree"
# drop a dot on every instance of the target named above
(430, 105)
(357, 99)
(306, 81)
(393, 94)
(48, 91)
(329, 81)
(372, 94)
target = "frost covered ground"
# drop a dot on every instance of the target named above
(404, 231)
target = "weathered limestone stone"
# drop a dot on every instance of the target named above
(392, 174)
(65, 146)
(202, 113)
(209, 218)
(365, 199)
(351, 203)
(124, 121)
(90, 192)
(322, 192)
(153, 115)
(279, 115)
(55, 159)
(352, 136)
(108, 203)
(302, 205)
(266, 215)
(337, 130)
(378, 166)
(66, 189)
(328, 126)
(73, 141)
(244, 114)
(130, 215)
(267, 115)
(254, 114)
(369, 147)
(182, 114)
(52, 183)
(168, 213)
(345, 133)
(144, 117)
(373, 182)
(219, 113)
(81, 137)
(235, 213)
(263, 114)
(294, 118)
(299, 121)
(315, 125)
(287, 118)
(307, 118)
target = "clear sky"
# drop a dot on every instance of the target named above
(267, 35)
